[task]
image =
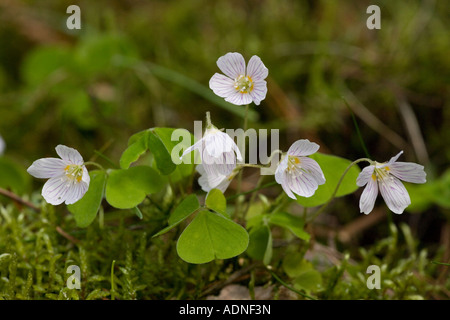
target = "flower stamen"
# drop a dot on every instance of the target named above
(74, 172)
(243, 84)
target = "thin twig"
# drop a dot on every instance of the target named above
(67, 236)
(16, 198)
(349, 231)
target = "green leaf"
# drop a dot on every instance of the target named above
(310, 280)
(260, 245)
(159, 142)
(133, 152)
(135, 137)
(211, 236)
(183, 169)
(333, 167)
(290, 222)
(13, 176)
(184, 209)
(215, 200)
(294, 264)
(434, 192)
(305, 276)
(126, 189)
(162, 155)
(148, 140)
(85, 210)
(77, 107)
(104, 53)
(187, 207)
(44, 61)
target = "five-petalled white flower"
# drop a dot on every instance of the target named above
(240, 85)
(218, 152)
(68, 177)
(386, 177)
(297, 173)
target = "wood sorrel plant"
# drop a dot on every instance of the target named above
(215, 230)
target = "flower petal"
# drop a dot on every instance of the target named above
(238, 98)
(222, 85)
(55, 190)
(232, 64)
(408, 171)
(85, 177)
(259, 91)
(208, 182)
(394, 159)
(256, 69)
(47, 168)
(394, 194)
(196, 145)
(69, 154)
(368, 196)
(288, 191)
(313, 168)
(217, 142)
(280, 171)
(303, 148)
(76, 192)
(222, 165)
(365, 176)
(304, 184)
(223, 186)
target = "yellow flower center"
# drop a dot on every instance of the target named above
(74, 172)
(382, 173)
(293, 166)
(243, 84)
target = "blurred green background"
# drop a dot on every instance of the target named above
(140, 64)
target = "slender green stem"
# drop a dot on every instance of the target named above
(361, 140)
(251, 165)
(113, 289)
(290, 288)
(208, 120)
(389, 220)
(101, 217)
(101, 155)
(95, 164)
(324, 206)
(239, 181)
(102, 149)
(252, 198)
(441, 263)
(246, 117)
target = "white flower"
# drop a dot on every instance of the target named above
(297, 173)
(386, 176)
(218, 181)
(239, 85)
(68, 177)
(2, 145)
(218, 152)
